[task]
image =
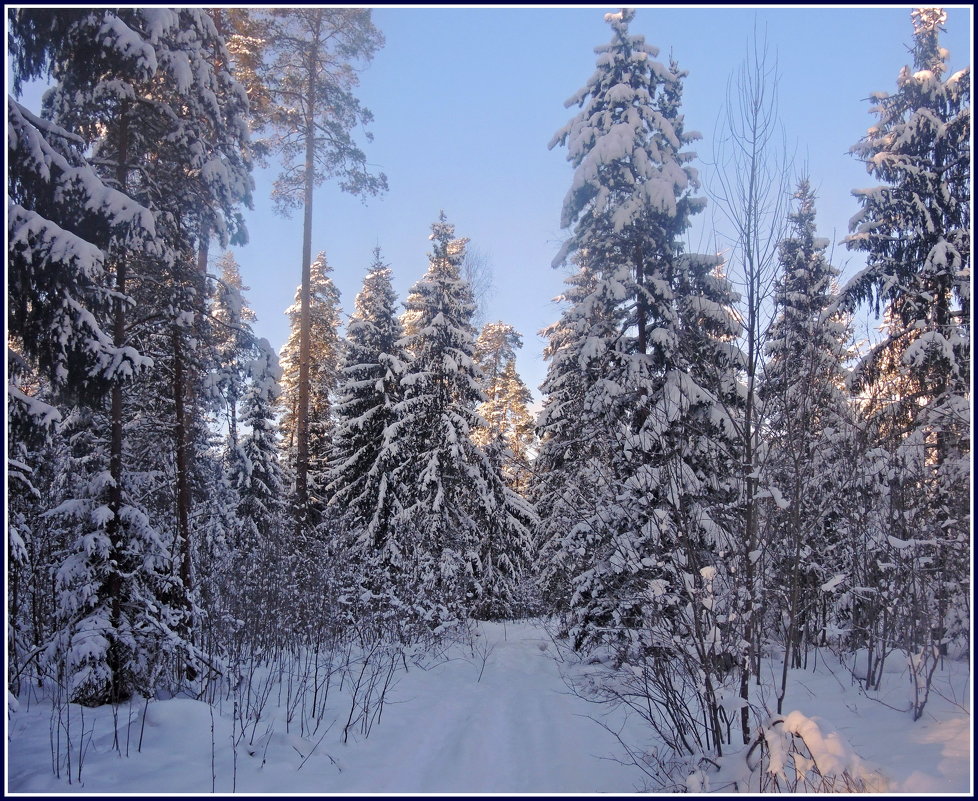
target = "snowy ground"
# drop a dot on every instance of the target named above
(932, 755)
(495, 719)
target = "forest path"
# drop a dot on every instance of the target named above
(495, 717)
(516, 729)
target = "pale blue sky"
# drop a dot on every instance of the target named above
(466, 100)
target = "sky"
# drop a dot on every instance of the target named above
(466, 100)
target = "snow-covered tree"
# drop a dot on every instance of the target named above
(689, 485)
(457, 519)
(361, 486)
(144, 90)
(233, 340)
(312, 62)
(630, 203)
(258, 476)
(61, 219)
(915, 230)
(325, 353)
(41, 469)
(751, 188)
(652, 349)
(502, 589)
(570, 472)
(633, 189)
(808, 425)
(505, 409)
(243, 550)
(247, 36)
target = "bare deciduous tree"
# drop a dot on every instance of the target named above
(749, 186)
(477, 270)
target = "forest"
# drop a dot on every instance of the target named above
(722, 485)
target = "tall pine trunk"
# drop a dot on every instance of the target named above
(302, 412)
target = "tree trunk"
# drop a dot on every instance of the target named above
(750, 524)
(202, 252)
(791, 641)
(181, 435)
(643, 302)
(302, 412)
(113, 584)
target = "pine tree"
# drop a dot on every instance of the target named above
(325, 354)
(311, 69)
(505, 409)
(247, 36)
(915, 231)
(692, 521)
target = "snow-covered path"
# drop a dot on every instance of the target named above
(517, 729)
(494, 718)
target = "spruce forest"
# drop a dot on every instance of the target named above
(722, 492)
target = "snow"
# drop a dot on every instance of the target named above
(833, 582)
(116, 34)
(179, 67)
(493, 716)
(929, 756)
(856, 741)
(28, 230)
(42, 413)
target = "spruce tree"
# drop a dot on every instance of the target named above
(233, 339)
(632, 192)
(808, 422)
(361, 486)
(61, 220)
(258, 476)
(572, 478)
(915, 231)
(630, 203)
(146, 92)
(457, 517)
(653, 553)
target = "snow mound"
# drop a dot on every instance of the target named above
(808, 755)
